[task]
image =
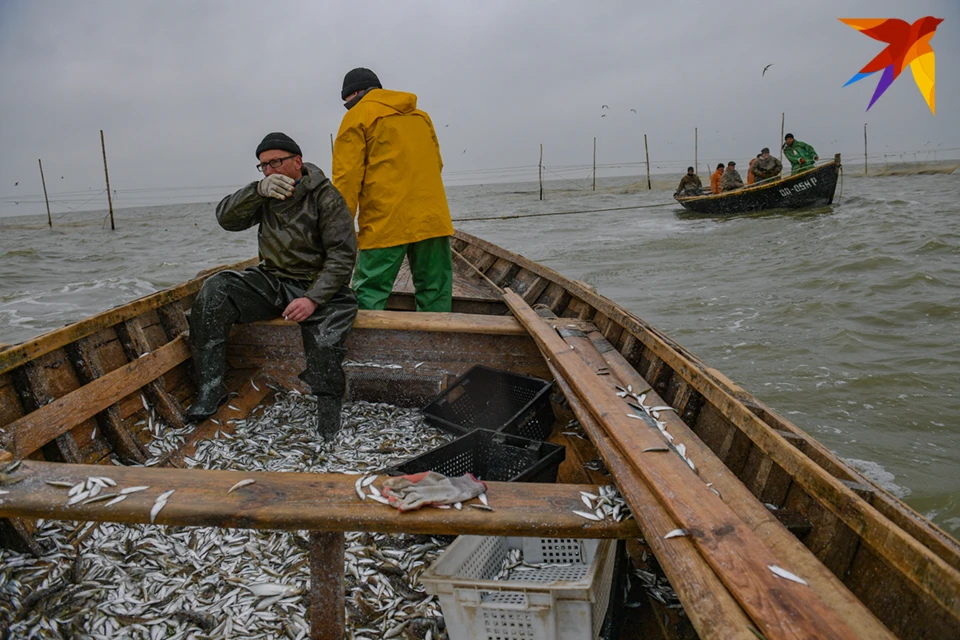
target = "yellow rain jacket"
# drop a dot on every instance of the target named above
(386, 161)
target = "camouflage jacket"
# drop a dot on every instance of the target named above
(308, 237)
(690, 184)
(766, 167)
(731, 180)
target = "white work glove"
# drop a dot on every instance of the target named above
(276, 186)
(407, 493)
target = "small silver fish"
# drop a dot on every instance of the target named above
(676, 533)
(786, 575)
(129, 490)
(483, 498)
(242, 483)
(588, 515)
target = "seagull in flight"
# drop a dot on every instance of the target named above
(634, 110)
(765, 69)
(16, 183)
(603, 115)
(604, 106)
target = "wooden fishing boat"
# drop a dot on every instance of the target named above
(750, 490)
(812, 188)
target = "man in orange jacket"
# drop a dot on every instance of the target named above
(386, 165)
(715, 179)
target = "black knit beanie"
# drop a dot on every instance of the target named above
(357, 80)
(281, 141)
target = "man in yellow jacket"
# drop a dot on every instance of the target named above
(386, 165)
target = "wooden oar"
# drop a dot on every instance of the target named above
(779, 607)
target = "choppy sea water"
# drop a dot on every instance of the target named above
(846, 319)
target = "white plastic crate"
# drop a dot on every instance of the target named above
(556, 603)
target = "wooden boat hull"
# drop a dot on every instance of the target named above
(812, 188)
(77, 395)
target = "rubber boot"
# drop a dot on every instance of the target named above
(211, 393)
(328, 417)
(324, 374)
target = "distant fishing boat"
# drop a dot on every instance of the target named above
(812, 188)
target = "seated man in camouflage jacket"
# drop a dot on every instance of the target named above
(766, 166)
(307, 249)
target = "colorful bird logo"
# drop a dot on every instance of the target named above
(907, 44)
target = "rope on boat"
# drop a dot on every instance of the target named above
(565, 213)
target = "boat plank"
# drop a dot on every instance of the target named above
(174, 319)
(707, 601)
(554, 297)
(298, 501)
(10, 406)
(137, 344)
(39, 383)
(326, 585)
(89, 367)
(730, 548)
(54, 420)
(898, 603)
(746, 506)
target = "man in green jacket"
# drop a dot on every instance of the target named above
(801, 155)
(308, 249)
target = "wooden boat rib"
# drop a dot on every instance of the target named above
(811, 188)
(75, 395)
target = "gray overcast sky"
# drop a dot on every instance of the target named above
(185, 90)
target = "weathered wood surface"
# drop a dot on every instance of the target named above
(297, 501)
(136, 345)
(733, 493)
(712, 609)
(39, 427)
(26, 351)
(780, 608)
(468, 323)
(326, 585)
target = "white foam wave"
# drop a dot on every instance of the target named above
(876, 473)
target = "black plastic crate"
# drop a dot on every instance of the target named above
(485, 398)
(490, 455)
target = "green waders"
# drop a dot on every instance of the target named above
(246, 296)
(431, 266)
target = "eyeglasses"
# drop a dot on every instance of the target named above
(273, 164)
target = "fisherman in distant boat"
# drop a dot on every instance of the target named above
(766, 166)
(387, 164)
(801, 155)
(715, 179)
(308, 249)
(731, 180)
(690, 185)
(750, 176)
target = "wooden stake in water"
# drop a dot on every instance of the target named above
(47, 200)
(865, 148)
(696, 158)
(783, 119)
(106, 173)
(331, 148)
(647, 150)
(594, 163)
(540, 170)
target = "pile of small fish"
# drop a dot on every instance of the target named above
(651, 415)
(609, 504)
(146, 582)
